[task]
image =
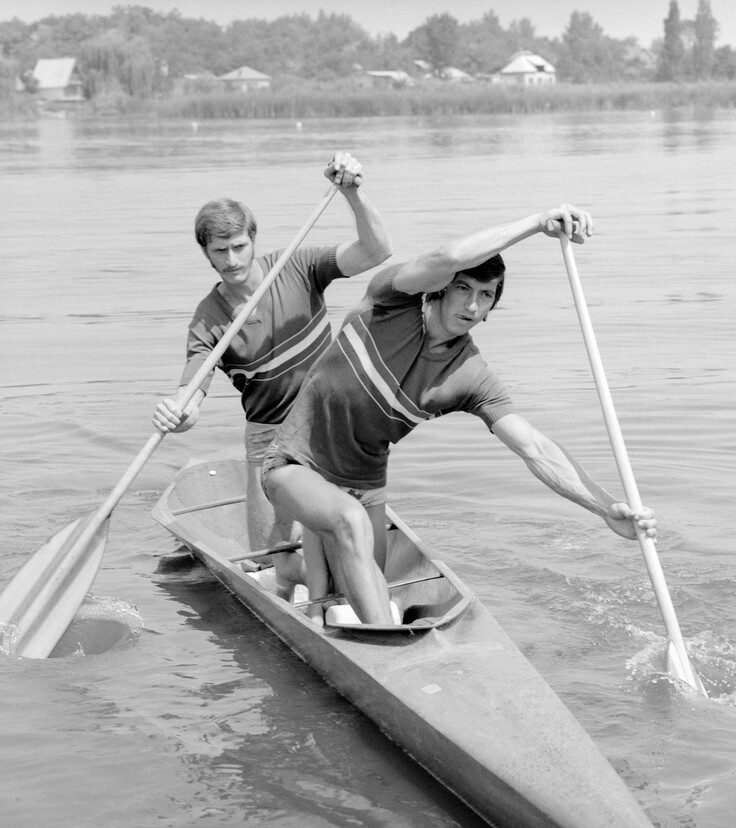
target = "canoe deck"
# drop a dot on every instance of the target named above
(456, 693)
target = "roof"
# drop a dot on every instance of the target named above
(245, 73)
(453, 73)
(526, 62)
(53, 73)
(393, 74)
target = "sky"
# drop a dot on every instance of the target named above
(642, 19)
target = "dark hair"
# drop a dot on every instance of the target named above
(222, 218)
(493, 268)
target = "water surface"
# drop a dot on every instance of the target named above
(191, 712)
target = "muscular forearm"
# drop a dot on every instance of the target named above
(373, 245)
(435, 270)
(469, 251)
(551, 464)
(556, 469)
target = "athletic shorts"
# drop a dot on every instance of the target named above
(275, 458)
(258, 437)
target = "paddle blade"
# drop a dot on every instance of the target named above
(682, 670)
(43, 597)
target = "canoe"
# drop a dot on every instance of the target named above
(447, 684)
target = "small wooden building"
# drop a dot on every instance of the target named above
(245, 79)
(58, 80)
(389, 78)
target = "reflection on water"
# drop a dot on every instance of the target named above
(700, 127)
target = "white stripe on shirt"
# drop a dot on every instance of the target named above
(377, 380)
(316, 333)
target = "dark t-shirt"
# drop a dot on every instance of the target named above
(376, 382)
(283, 337)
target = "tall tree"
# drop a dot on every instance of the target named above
(587, 54)
(672, 57)
(706, 29)
(483, 45)
(438, 36)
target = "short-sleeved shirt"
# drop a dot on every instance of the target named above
(283, 337)
(376, 382)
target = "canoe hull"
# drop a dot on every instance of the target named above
(459, 697)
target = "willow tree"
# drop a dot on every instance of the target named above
(111, 63)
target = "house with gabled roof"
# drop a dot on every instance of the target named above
(245, 79)
(57, 79)
(527, 69)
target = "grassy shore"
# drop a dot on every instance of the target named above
(343, 100)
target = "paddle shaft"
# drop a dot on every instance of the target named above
(395, 585)
(101, 515)
(259, 553)
(625, 470)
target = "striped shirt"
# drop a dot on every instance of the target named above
(283, 337)
(376, 382)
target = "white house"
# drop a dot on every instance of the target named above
(527, 69)
(245, 79)
(58, 80)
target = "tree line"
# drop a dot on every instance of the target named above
(137, 51)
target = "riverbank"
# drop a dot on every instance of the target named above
(344, 100)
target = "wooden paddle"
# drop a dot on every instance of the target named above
(678, 663)
(43, 597)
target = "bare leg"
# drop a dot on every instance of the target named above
(346, 533)
(267, 528)
(318, 574)
(377, 517)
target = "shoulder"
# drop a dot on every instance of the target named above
(477, 377)
(317, 266)
(304, 257)
(211, 305)
(382, 289)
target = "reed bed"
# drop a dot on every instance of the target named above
(443, 99)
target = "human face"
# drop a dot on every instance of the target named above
(232, 257)
(466, 302)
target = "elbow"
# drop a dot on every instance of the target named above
(449, 257)
(386, 251)
(380, 253)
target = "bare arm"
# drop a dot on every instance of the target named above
(435, 270)
(373, 245)
(551, 464)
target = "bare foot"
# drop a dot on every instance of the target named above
(290, 572)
